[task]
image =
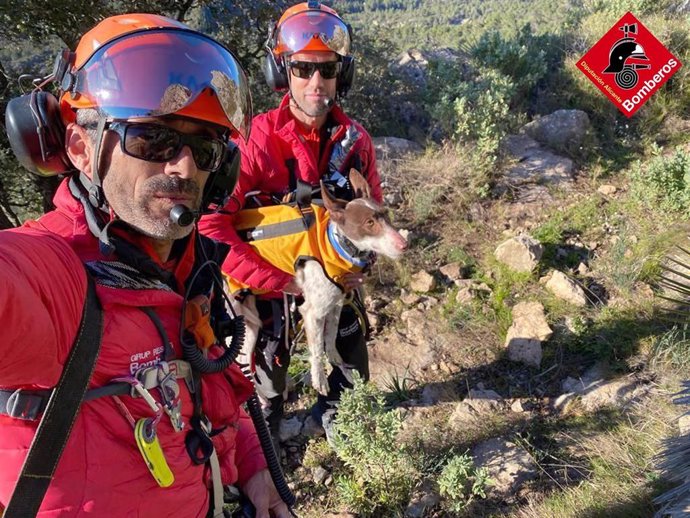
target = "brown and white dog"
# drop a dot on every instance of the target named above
(353, 229)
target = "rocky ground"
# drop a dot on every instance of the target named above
(495, 338)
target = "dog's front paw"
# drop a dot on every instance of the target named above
(319, 380)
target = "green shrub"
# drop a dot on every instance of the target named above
(482, 110)
(522, 59)
(475, 110)
(460, 482)
(424, 202)
(663, 183)
(381, 474)
(480, 101)
(399, 387)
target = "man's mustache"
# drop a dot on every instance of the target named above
(172, 185)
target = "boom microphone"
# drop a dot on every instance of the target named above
(182, 216)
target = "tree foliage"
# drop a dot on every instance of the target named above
(32, 31)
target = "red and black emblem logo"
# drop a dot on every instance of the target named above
(629, 69)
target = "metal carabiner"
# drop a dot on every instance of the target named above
(138, 388)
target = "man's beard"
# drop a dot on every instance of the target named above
(140, 213)
(317, 111)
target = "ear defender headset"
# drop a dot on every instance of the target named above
(36, 133)
(35, 128)
(276, 73)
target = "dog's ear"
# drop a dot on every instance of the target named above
(333, 205)
(359, 184)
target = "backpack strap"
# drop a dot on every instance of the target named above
(60, 414)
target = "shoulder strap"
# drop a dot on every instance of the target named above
(291, 164)
(60, 414)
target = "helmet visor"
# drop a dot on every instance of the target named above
(159, 72)
(313, 30)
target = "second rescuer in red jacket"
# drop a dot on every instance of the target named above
(308, 138)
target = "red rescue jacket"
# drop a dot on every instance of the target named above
(101, 472)
(275, 141)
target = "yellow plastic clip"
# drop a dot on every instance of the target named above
(151, 451)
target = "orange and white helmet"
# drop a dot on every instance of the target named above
(144, 65)
(311, 26)
(308, 26)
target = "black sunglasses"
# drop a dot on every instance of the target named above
(306, 69)
(158, 143)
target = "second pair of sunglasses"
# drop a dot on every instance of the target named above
(157, 143)
(306, 69)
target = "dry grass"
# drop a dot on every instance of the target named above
(623, 477)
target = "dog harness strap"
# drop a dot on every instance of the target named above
(217, 485)
(274, 230)
(303, 193)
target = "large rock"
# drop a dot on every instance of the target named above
(594, 391)
(476, 406)
(413, 63)
(394, 147)
(528, 330)
(607, 190)
(433, 393)
(560, 130)
(509, 465)
(536, 165)
(289, 428)
(530, 203)
(483, 400)
(422, 282)
(520, 253)
(452, 271)
(566, 289)
(415, 321)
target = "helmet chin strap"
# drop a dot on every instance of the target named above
(89, 192)
(95, 185)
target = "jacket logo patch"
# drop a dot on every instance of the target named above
(115, 274)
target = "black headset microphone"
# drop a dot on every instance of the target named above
(182, 215)
(328, 102)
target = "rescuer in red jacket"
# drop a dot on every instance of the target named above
(306, 139)
(143, 127)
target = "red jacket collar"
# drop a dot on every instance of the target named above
(69, 221)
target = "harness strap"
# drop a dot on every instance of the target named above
(273, 230)
(60, 414)
(290, 165)
(303, 193)
(217, 485)
(29, 404)
(285, 228)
